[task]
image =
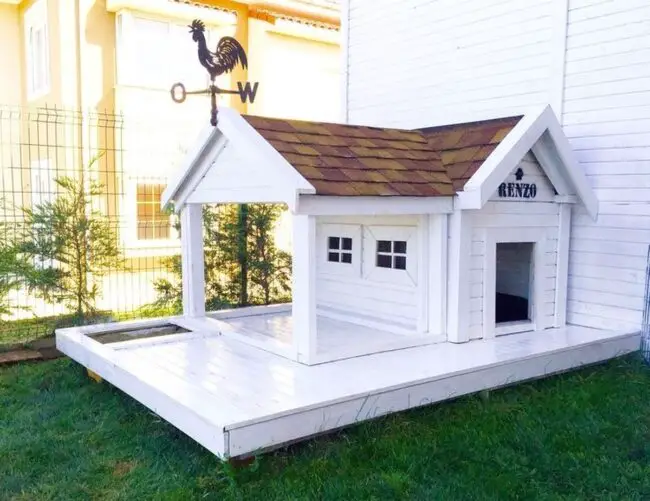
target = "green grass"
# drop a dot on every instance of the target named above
(582, 436)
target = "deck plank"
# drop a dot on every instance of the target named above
(262, 400)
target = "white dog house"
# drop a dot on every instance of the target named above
(427, 264)
(400, 238)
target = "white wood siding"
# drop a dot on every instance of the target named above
(362, 296)
(540, 213)
(427, 62)
(533, 174)
(607, 118)
(420, 63)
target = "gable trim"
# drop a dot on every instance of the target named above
(242, 134)
(234, 131)
(182, 177)
(541, 133)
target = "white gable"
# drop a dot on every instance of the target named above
(541, 133)
(232, 163)
(527, 182)
(237, 176)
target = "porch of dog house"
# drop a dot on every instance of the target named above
(426, 264)
(346, 301)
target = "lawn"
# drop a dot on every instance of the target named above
(583, 436)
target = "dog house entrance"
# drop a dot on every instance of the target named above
(514, 282)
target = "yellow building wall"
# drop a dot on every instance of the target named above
(298, 68)
(11, 95)
(10, 61)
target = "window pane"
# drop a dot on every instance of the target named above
(153, 223)
(346, 257)
(399, 247)
(399, 262)
(347, 243)
(333, 243)
(383, 261)
(145, 232)
(383, 245)
(161, 231)
(150, 53)
(333, 257)
(37, 68)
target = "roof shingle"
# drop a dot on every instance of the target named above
(464, 147)
(350, 160)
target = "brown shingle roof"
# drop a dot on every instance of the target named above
(464, 147)
(349, 160)
(352, 160)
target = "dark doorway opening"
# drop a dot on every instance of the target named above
(514, 281)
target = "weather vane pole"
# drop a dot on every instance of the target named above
(229, 53)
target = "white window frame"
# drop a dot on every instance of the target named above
(492, 236)
(340, 250)
(372, 272)
(392, 254)
(352, 231)
(35, 20)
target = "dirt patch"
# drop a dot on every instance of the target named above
(122, 468)
(15, 356)
(143, 333)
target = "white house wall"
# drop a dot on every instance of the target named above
(356, 292)
(419, 63)
(607, 118)
(428, 62)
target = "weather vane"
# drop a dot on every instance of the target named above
(229, 53)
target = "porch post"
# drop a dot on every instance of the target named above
(562, 265)
(304, 287)
(460, 243)
(192, 260)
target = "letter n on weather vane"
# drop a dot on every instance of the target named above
(228, 55)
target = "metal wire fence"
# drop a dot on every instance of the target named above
(128, 167)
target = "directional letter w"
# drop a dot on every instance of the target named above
(246, 91)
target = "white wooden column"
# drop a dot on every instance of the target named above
(460, 244)
(192, 260)
(562, 265)
(304, 287)
(437, 251)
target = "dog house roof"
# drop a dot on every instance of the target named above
(349, 160)
(258, 159)
(464, 147)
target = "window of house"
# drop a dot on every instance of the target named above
(153, 223)
(339, 250)
(43, 183)
(36, 38)
(391, 254)
(155, 53)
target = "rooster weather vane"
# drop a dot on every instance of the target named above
(229, 53)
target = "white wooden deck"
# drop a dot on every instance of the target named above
(335, 339)
(236, 399)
